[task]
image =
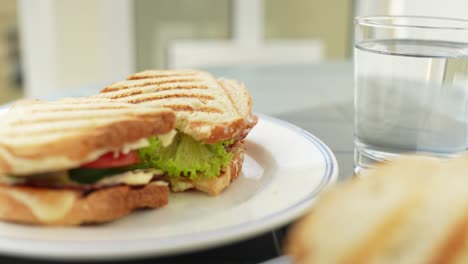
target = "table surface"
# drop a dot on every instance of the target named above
(316, 97)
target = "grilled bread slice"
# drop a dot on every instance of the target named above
(414, 210)
(40, 136)
(208, 110)
(50, 137)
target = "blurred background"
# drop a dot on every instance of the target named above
(50, 48)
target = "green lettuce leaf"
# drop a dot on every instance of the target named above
(186, 157)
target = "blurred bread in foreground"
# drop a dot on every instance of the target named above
(413, 210)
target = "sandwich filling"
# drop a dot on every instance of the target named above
(173, 155)
(186, 157)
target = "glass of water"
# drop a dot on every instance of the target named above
(411, 87)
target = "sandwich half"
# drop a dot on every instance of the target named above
(76, 161)
(212, 119)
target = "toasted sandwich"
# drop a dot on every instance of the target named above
(76, 161)
(212, 119)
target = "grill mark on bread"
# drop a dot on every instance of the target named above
(71, 131)
(378, 235)
(126, 93)
(228, 94)
(183, 87)
(150, 81)
(201, 97)
(155, 74)
(188, 108)
(133, 91)
(53, 119)
(455, 242)
(158, 88)
(70, 108)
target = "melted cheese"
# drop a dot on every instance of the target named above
(136, 145)
(180, 185)
(166, 139)
(10, 180)
(136, 177)
(23, 167)
(47, 206)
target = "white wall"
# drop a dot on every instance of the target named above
(68, 44)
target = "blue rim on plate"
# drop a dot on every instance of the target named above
(202, 240)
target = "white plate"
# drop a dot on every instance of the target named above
(285, 169)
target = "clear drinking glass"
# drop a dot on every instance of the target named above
(411, 87)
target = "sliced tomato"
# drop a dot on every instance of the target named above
(109, 160)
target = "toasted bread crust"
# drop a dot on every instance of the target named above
(238, 128)
(99, 206)
(105, 126)
(216, 185)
